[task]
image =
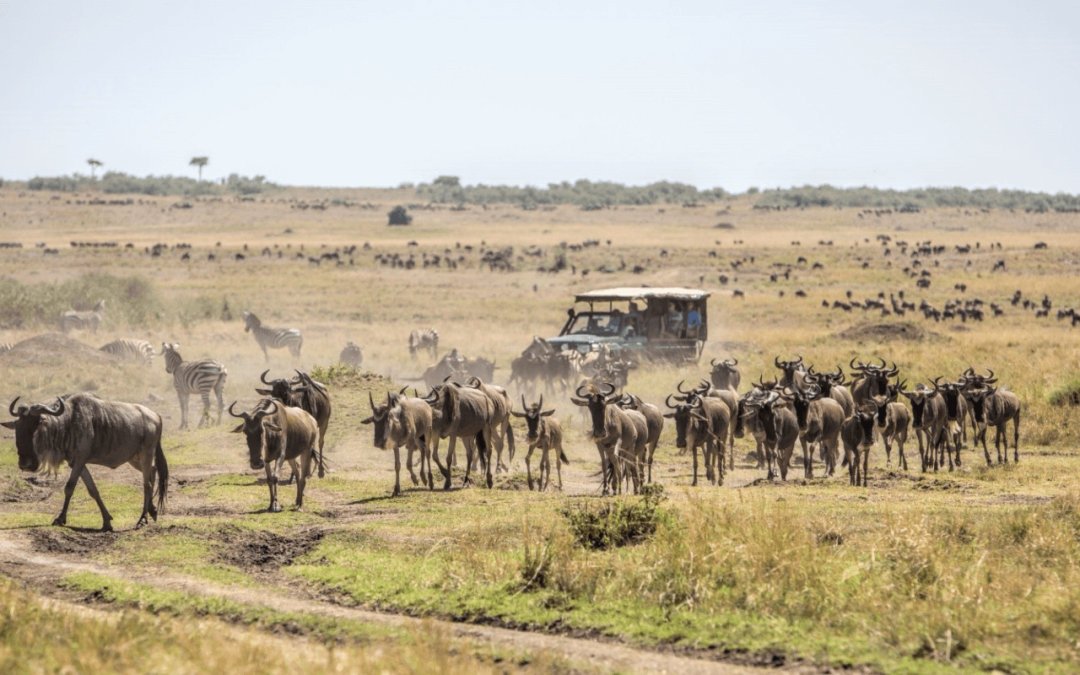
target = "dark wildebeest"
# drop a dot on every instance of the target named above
(500, 420)
(724, 375)
(727, 396)
(613, 432)
(745, 415)
(832, 386)
(82, 429)
(928, 421)
(277, 433)
(404, 421)
(544, 432)
(702, 422)
(794, 373)
(857, 434)
(994, 407)
(450, 366)
(892, 420)
(654, 420)
(956, 412)
(352, 355)
(781, 431)
(467, 413)
(819, 420)
(870, 381)
(307, 394)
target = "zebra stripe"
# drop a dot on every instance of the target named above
(129, 349)
(274, 338)
(71, 320)
(195, 377)
(424, 339)
(5, 347)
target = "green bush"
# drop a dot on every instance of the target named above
(617, 522)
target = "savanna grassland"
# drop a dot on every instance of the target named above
(973, 570)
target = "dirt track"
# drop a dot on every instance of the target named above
(41, 571)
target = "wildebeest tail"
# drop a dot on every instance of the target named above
(162, 477)
(510, 440)
(320, 460)
(481, 449)
(562, 457)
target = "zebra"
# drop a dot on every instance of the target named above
(275, 338)
(424, 339)
(71, 319)
(5, 347)
(195, 377)
(130, 349)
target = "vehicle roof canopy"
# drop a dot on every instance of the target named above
(632, 293)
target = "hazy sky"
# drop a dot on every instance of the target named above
(976, 94)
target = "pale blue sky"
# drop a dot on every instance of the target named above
(976, 94)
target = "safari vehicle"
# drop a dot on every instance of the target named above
(651, 323)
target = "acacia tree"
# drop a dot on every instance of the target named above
(94, 164)
(199, 162)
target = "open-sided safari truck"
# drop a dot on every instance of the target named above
(654, 323)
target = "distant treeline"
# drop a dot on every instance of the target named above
(917, 199)
(583, 193)
(116, 182)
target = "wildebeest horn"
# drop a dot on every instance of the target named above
(610, 392)
(540, 405)
(733, 362)
(56, 410)
(679, 387)
(473, 381)
(371, 400)
(991, 375)
(705, 385)
(798, 359)
(667, 402)
(713, 363)
(263, 377)
(861, 366)
(935, 383)
(882, 363)
(242, 415)
(894, 370)
(267, 411)
(11, 408)
(580, 395)
(524, 405)
(403, 390)
(776, 360)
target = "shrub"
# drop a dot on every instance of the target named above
(1067, 393)
(400, 216)
(618, 522)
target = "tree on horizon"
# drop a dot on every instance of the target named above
(199, 162)
(94, 164)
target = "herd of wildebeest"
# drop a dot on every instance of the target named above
(833, 415)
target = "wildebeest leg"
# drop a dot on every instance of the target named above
(901, 459)
(183, 396)
(408, 463)
(272, 469)
(144, 462)
(528, 467)
(106, 518)
(693, 452)
(807, 459)
(69, 489)
(707, 458)
(1016, 439)
(449, 459)
(483, 442)
(302, 474)
(865, 464)
(999, 436)
(397, 470)
(652, 451)
(559, 454)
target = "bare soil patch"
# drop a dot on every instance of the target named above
(54, 349)
(264, 550)
(28, 489)
(73, 542)
(880, 332)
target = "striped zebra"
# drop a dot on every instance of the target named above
(195, 377)
(71, 319)
(130, 349)
(274, 338)
(5, 347)
(424, 339)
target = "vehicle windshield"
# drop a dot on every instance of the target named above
(596, 323)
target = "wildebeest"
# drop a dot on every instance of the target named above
(544, 432)
(613, 432)
(71, 320)
(451, 365)
(870, 381)
(928, 421)
(994, 407)
(277, 433)
(831, 384)
(191, 377)
(794, 373)
(702, 422)
(500, 420)
(857, 433)
(308, 395)
(352, 355)
(956, 413)
(819, 419)
(781, 431)
(274, 338)
(466, 413)
(654, 420)
(82, 429)
(404, 421)
(424, 339)
(892, 419)
(724, 375)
